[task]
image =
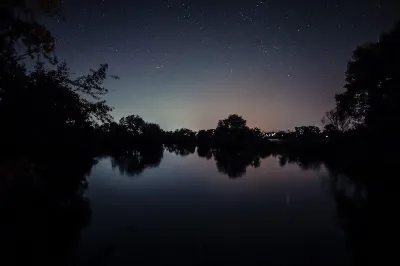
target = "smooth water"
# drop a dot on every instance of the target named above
(186, 211)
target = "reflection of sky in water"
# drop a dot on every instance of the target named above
(280, 214)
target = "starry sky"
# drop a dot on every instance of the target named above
(189, 63)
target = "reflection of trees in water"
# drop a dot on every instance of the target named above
(43, 212)
(230, 162)
(205, 152)
(365, 212)
(365, 196)
(233, 162)
(351, 213)
(181, 150)
(365, 201)
(137, 161)
(304, 162)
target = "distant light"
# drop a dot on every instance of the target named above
(326, 136)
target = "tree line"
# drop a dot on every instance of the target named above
(45, 110)
(54, 125)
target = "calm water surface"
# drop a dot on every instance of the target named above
(187, 212)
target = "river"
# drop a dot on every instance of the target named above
(188, 210)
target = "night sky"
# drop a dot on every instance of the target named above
(190, 63)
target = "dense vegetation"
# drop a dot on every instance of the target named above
(51, 121)
(45, 111)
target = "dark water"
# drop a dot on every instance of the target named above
(186, 212)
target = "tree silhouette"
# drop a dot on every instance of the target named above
(232, 132)
(51, 107)
(152, 134)
(133, 124)
(233, 122)
(372, 96)
(257, 133)
(334, 122)
(307, 132)
(181, 137)
(205, 137)
(330, 130)
(45, 107)
(19, 26)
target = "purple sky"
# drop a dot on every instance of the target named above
(191, 63)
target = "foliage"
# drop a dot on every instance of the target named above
(45, 106)
(257, 133)
(183, 137)
(133, 124)
(51, 105)
(153, 135)
(52, 91)
(19, 27)
(307, 132)
(232, 123)
(335, 122)
(372, 98)
(231, 131)
(205, 137)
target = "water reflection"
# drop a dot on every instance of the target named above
(235, 164)
(304, 162)
(232, 162)
(43, 211)
(205, 152)
(365, 200)
(181, 150)
(228, 162)
(365, 212)
(135, 162)
(45, 225)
